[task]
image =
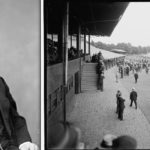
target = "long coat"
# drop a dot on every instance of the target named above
(136, 76)
(133, 95)
(121, 105)
(14, 124)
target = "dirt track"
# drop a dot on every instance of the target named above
(94, 112)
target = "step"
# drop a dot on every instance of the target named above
(84, 90)
(89, 73)
(88, 85)
(88, 76)
(88, 82)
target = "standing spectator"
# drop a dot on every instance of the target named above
(100, 56)
(133, 97)
(147, 69)
(127, 70)
(101, 78)
(121, 106)
(100, 72)
(117, 76)
(136, 76)
(121, 71)
(117, 95)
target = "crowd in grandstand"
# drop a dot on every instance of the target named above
(54, 56)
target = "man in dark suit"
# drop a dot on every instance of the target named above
(117, 101)
(133, 97)
(121, 71)
(14, 134)
(121, 106)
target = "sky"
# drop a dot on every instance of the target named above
(134, 26)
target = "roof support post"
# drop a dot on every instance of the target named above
(60, 42)
(65, 54)
(79, 41)
(79, 55)
(89, 46)
(84, 45)
(70, 40)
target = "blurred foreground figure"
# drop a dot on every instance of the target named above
(63, 136)
(120, 142)
(14, 134)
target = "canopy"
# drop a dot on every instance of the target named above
(95, 17)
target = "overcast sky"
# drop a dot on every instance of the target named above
(134, 26)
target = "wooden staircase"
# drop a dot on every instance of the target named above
(89, 77)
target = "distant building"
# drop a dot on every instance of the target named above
(120, 51)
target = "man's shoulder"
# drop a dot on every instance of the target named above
(134, 92)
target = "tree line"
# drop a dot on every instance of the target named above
(122, 46)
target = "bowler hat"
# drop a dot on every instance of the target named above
(124, 142)
(121, 142)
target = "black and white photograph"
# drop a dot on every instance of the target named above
(20, 92)
(97, 80)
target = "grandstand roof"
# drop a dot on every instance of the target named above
(94, 16)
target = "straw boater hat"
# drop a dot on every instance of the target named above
(133, 89)
(108, 140)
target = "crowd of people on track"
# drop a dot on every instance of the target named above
(132, 65)
(129, 66)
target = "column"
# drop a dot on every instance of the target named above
(84, 45)
(65, 53)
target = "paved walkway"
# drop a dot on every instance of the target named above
(94, 113)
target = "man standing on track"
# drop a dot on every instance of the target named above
(117, 101)
(121, 106)
(133, 97)
(136, 77)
